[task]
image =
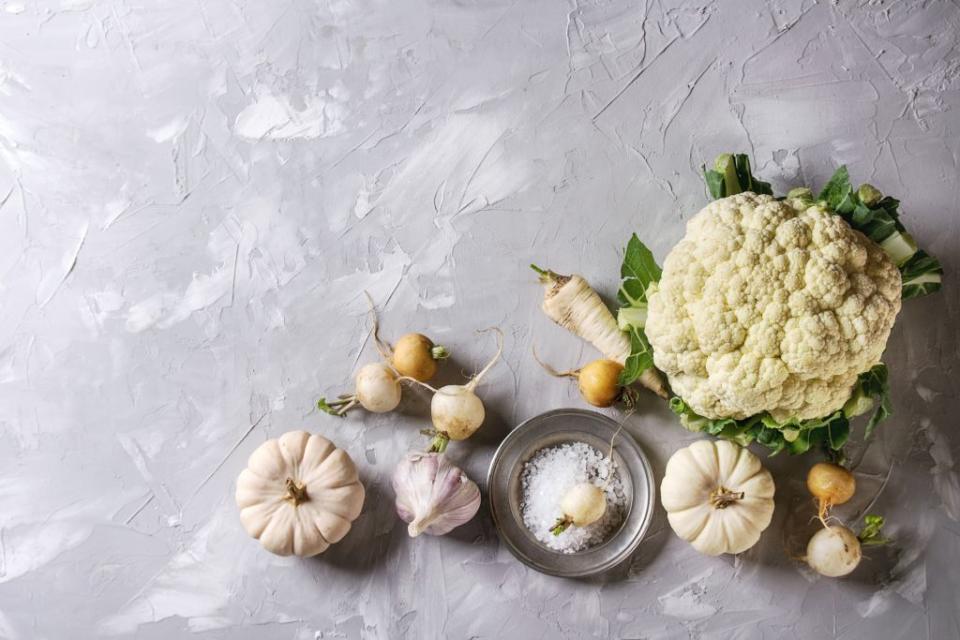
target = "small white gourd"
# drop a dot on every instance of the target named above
(299, 494)
(718, 496)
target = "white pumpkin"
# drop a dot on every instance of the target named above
(299, 494)
(718, 496)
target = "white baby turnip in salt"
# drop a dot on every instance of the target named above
(582, 505)
(585, 503)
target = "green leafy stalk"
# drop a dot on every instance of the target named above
(871, 534)
(439, 441)
(793, 436)
(872, 389)
(878, 217)
(639, 272)
(921, 275)
(731, 175)
(640, 359)
(799, 436)
(333, 408)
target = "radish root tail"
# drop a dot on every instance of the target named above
(383, 348)
(610, 452)
(569, 373)
(476, 379)
(415, 381)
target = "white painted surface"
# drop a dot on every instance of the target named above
(196, 193)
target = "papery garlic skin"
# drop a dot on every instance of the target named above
(433, 495)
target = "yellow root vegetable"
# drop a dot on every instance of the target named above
(456, 410)
(377, 385)
(831, 485)
(574, 305)
(415, 356)
(598, 381)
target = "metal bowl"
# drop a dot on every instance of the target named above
(558, 427)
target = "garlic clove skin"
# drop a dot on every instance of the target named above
(433, 495)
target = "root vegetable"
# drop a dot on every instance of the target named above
(598, 381)
(836, 551)
(377, 385)
(831, 485)
(415, 356)
(377, 389)
(574, 305)
(585, 503)
(456, 410)
(582, 505)
(833, 551)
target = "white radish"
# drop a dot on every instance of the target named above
(582, 505)
(574, 305)
(377, 385)
(376, 389)
(833, 551)
(456, 410)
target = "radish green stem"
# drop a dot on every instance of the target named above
(337, 407)
(439, 442)
(561, 525)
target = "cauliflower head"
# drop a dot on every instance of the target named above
(773, 306)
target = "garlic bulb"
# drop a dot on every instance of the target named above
(433, 495)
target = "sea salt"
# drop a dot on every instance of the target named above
(548, 475)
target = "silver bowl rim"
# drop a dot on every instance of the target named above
(645, 483)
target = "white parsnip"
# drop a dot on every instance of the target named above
(572, 303)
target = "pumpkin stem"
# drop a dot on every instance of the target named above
(721, 498)
(296, 492)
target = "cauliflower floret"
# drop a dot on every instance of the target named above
(768, 305)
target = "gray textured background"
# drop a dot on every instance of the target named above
(194, 194)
